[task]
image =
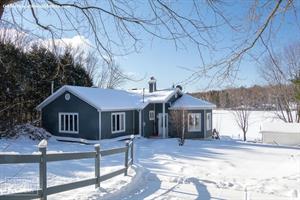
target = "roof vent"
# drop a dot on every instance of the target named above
(179, 90)
(152, 84)
(179, 87)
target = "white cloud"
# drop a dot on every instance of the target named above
(77, 42)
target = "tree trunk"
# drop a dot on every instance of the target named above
(244, 136)
(4, 3)
(1, 10)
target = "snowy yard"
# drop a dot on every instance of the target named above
(224, 122)
(201, 169)
(163, 170)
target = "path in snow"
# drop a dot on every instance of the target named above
(213, 170)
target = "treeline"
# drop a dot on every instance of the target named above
(256, 97)
(26, 77)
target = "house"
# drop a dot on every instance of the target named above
(95, 113)
(280, 133)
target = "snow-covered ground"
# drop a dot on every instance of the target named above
(224, 122)
(61, 172)
(201, 169)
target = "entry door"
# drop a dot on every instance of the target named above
(160, 124)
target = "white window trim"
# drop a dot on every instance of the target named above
(208, 121)
(69, 114)
(152, 117)
(124, 127)
(193, 129)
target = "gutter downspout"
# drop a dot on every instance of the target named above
(164, 120)
(183, 124)
(100, 125)
(205, 123)
(140, 123)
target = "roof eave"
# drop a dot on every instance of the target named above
(61, 91)
(192, 108)
(51, 98)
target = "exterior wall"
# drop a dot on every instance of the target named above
(198, 134)
(131, 127)
(89, 120)
(148, 125)
(87, 115)
(292, 139)
(150, 128)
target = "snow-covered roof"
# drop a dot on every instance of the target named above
(158, 96)
(280, 127)
(102, 99)
(191, 103)
(111, 99)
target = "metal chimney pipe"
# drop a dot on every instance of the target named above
(52, 87)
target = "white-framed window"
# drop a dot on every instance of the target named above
(151, 115)
(68, 122)
(208, 121)
(118, 122)
(194, 122)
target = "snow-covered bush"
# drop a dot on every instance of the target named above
(28, 130)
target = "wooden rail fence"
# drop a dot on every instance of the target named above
(43, 158)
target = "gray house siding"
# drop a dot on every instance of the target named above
(130, 124)
(196, 134)
(159, 109)
(150, 127)
(147, 125)
(87, 117)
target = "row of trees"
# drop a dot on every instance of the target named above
(26, 77)
(261, 97)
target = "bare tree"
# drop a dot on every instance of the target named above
(242, 115)
(111, 76)
(105, 75)
(279, 71)
(242, 101)
(118, 27)
(178, 118)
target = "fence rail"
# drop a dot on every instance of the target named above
(42, 158)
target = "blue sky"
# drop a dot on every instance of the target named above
(160, 58)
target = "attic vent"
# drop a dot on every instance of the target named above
(67, 97)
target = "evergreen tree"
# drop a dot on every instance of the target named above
(26, 81)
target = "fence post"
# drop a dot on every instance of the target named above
(126, 158)
(43, 169)
(97, 165)
(131, 150)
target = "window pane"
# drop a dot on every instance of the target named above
(67, 122)
(197, 121)
(191, 120)
(122, 122)
(118, 122)
(114, 122)
(62, 127)
(75, 123)
(71, 122)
